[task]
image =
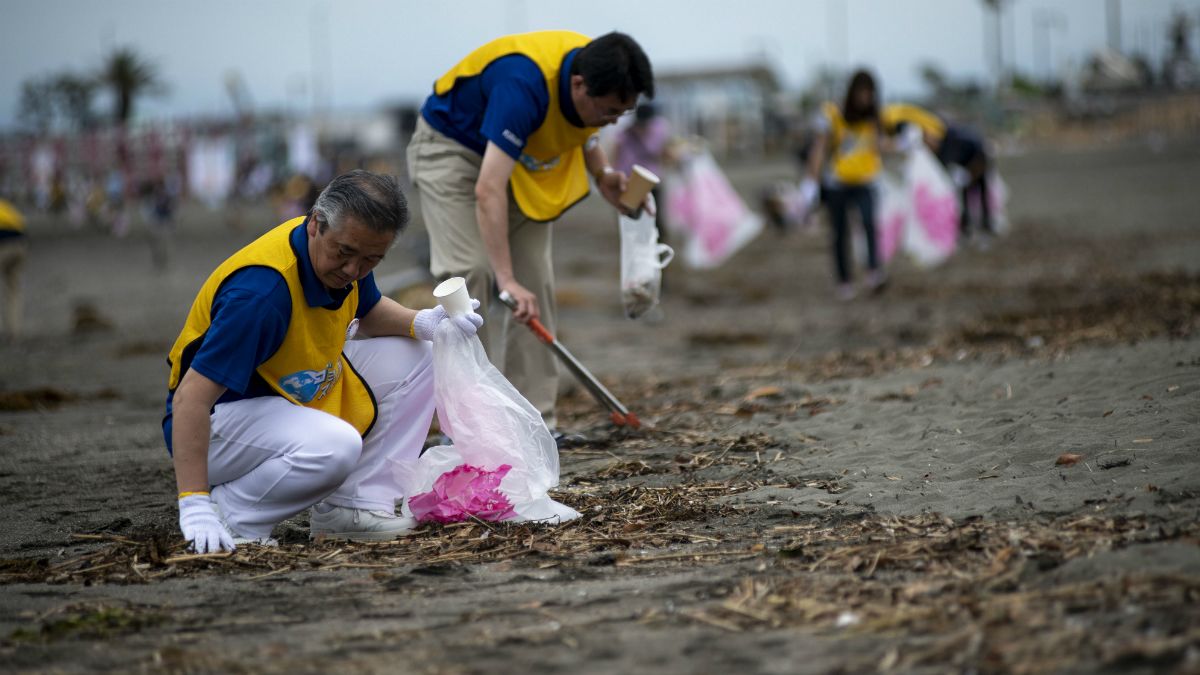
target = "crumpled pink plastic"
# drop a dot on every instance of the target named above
(463, 492)
(938, 215)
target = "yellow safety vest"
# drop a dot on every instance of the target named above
(895, 114)
(10, 217)
(550, 175)
(309, 369)
(854, 148)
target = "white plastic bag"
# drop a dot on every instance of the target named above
(703, 206)
(892, 216)
(932, 232)
(492, 427)
(643, 258)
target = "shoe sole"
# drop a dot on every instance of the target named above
(359, 536)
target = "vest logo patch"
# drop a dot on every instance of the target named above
(513, 138)
(307, 385)
(532, 163)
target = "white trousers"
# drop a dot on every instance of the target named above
(269, 459)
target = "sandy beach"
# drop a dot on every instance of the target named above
(994, 466)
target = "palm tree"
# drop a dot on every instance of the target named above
(129, 76)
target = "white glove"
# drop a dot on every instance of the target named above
(810, 191)
(427, 320)
(960, 176)
(200, 525)
(910, 136)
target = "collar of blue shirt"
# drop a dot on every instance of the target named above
(564, 90)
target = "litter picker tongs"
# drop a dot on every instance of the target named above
(617, 412)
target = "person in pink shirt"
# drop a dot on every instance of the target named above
(645, 141)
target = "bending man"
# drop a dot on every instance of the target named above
(504, 146)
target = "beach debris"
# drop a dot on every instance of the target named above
(40, 398)
(87, 319)
(769, 391)
(1068, 459)
(464, 493)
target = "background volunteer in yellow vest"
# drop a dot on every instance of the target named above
(273, 408)
(846, 158)
(503, 147)
(12, 265)
(960, 149)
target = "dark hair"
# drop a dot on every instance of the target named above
(614, 64)
(374, 200)
(851, 111)
(645, 112)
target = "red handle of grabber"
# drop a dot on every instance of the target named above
(540, 331)
(618, 413)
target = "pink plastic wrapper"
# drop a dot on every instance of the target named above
(462, 493)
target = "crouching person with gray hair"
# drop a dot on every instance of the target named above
(296, 384)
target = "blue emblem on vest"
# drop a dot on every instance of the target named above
(303, 385)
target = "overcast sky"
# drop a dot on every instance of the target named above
(360, 53)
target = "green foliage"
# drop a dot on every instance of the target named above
(129, 76)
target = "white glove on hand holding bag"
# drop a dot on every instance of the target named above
(427, 320)
(200, 525)
(810, 192)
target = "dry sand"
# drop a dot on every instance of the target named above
(826, 487)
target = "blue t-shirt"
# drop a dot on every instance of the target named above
(250, 316)
(504, 104)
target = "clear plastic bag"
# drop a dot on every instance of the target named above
(932, 233)
(642, 261)
(704, 208)
(498, 436)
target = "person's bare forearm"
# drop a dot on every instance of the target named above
(491, 211)
(595, 159)
(816, 156)
(190, 431)
(388, 318)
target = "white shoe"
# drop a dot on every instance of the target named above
(326, 521)
(239, 539)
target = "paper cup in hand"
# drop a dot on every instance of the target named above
(452, 295)
(641, 182)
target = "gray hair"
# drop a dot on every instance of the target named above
(372, 199)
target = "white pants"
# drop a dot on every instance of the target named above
(269, 459)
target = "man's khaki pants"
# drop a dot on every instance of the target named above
(444, 172)
(12, 263)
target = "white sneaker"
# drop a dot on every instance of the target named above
(326, 521)
(239, 539)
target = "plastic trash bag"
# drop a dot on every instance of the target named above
(503, 459)
(704, 208)
(892, 216)
(932, 232)
(997, 196)
(642, 261)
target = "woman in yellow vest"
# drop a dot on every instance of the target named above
(845, 159)
(272, 408)
(961, 149)
(504, 145)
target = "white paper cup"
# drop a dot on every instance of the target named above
(641, 182)
(452, 295)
